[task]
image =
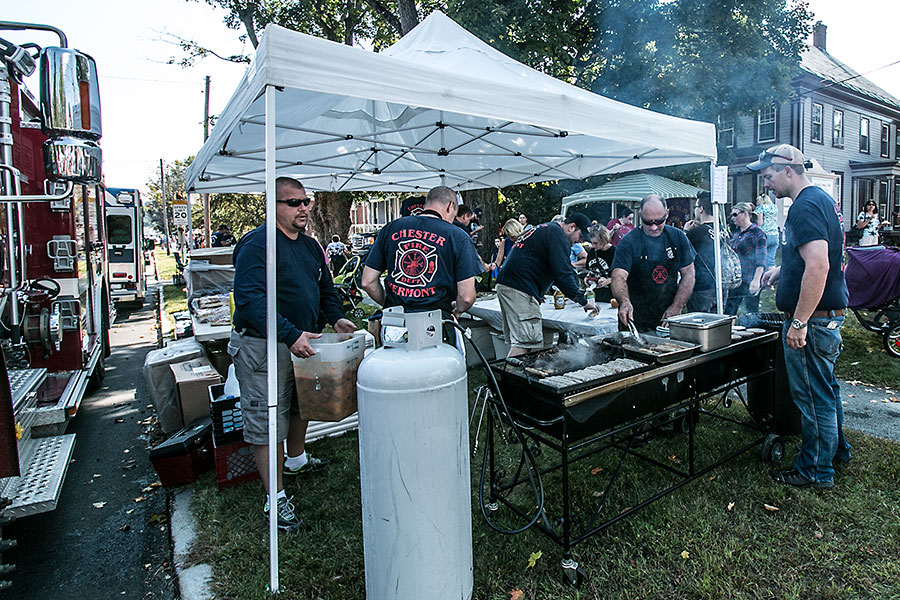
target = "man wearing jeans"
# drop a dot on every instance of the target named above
(813, 294)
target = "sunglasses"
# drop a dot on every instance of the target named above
(734, 214)
(652, 222)
(766, 154)
(295, 202)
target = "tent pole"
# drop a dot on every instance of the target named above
(271, 341)
(720, 304)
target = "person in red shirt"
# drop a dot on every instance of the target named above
(620, 227)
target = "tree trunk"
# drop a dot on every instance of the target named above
(409, 18)
(330, 215)
(488, 201)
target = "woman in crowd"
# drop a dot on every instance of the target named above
(749, 243)
(767, 219)
(599, 263)
(511, 231)
(869, 222)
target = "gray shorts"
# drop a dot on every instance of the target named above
(521, 318)
(248, 354)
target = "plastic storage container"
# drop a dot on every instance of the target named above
(326, 381)
(710, 330)
(184, 456)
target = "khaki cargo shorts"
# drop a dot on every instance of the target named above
(248, 354)
(521, 314)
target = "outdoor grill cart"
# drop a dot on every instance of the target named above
(617, 421)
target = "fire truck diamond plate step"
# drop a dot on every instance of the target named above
(38, 489)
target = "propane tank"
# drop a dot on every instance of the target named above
(414, 463)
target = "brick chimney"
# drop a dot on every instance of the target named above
(819, 35)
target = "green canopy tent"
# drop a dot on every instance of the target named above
(629, 191)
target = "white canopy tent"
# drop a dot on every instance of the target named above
(440, 107)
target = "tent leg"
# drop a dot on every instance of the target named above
(271, 341)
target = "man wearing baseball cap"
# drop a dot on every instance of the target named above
(539, 259)
(813, 295)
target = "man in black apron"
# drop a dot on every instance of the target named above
(646, 269)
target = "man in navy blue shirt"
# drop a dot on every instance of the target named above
(813, 295)
(431, 263)
(653, 271)
(305, 292)
(540, 258)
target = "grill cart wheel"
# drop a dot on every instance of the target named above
(359, 313)
(772, 448)
(684, 421)
(573, 574)
(892, 341)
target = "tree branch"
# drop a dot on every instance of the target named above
(385, 13)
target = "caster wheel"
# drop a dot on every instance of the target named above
(772, 449)
(573, 575)
(891, 340)
(359, 313)
(685, 422)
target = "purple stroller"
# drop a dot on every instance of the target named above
(873, 280)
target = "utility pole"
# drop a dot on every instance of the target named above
(206, 238)
(165, 206)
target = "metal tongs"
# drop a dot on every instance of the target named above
(634, 332)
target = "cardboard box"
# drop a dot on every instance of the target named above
(215, 256)
(192, 380)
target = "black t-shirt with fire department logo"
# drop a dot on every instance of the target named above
(423, 257)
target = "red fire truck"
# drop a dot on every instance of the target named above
(55, 308)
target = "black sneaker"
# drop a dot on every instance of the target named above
(794, 478)
(312, 464)
(287, 520)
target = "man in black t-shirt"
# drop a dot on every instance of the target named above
(813, 295)
(430, 263)
(702, 237)
(222, 237)
(539, 259)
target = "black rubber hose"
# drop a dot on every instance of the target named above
(534, 473)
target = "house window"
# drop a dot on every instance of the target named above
(885, 140)
(837, 129)
(897, 143)
(725, 133)
(839, 188)
(816, 131)
(765, 127)
(729, 195)
(864, 135)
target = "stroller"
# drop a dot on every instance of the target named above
(347, 283)
(873, 280)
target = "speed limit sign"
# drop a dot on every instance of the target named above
(180, 214)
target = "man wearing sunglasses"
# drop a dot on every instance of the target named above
(653, 271)
(305, 293)
(431, 263)
(813, 295)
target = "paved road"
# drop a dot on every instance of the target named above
(871, 409)
(119, 550)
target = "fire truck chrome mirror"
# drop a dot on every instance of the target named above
(70, 94)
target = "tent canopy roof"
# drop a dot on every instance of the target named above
(439, 107)
(631, 189)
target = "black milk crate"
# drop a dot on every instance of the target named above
(228, 423)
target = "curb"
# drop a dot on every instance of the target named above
(194, 580)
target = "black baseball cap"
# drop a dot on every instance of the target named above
(584, 224)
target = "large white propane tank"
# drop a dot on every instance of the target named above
(414, 463)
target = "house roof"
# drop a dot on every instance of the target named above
(821, 64)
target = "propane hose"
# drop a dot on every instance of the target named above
(534, 473)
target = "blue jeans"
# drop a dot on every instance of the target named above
(741, 295)
(771, 248)
(816, 393)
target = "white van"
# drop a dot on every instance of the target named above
(125, 243)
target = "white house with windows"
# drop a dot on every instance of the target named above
(844, 121)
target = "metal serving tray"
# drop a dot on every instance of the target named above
(648, 352)
(710, 330)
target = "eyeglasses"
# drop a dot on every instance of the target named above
(766, 154)
(295, 202)
(652, 222)
(735, 214)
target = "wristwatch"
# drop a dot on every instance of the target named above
(798, 324)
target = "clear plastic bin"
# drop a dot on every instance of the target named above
(326, 381)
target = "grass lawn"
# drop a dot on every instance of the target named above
(693, 543)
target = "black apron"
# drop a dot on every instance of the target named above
(652, 286)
